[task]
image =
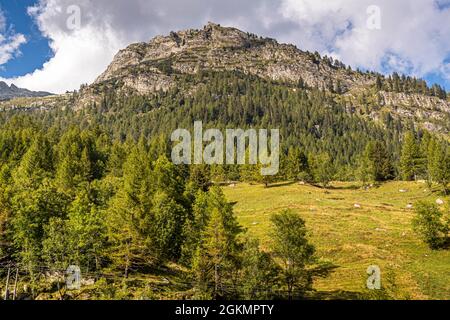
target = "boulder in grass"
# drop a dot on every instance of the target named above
(409, 206)
(402, 191)
(440, 202)
(357, 206)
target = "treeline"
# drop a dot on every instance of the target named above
(391, 83)
(425, 157)
(407, 84)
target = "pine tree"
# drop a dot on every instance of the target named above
(297, 167)
(36, 164)
(169, 218)
(56, 247)
(260, 273)
(377, 162)
(410, 158)
(322, 168)
(129, 218)
(430, 224)
(439, 164)
(87, 231)
(217, 250)
(210, 261)
(32, 213)
(366, 169)
(291, 247)
(379, 83)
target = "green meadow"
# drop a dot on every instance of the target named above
(353, 229)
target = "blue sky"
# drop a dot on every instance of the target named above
(414, 37)
(35, 51)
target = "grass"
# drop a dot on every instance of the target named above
(352, 239)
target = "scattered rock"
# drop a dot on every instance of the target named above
(302, 183)
(87, 282)
(233, 185)
(356, 205)
(440, 202)
(255, 223)
(409, 206)
(402, 191)
(164, 280)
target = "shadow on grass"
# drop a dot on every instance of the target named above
(336, 295)
(445, 245)
(350, 187)
(323, 270)
(281, 184)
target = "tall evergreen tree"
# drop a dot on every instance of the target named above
(410, 158)
(291, 246)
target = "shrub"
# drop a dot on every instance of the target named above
(429, 223)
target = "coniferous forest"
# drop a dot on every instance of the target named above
(96, 188)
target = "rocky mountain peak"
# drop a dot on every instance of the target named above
(3, 85)
(220, 48)
(11, 92)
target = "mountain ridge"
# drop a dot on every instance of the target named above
(223, 48)
(148, 67)
(12, 91)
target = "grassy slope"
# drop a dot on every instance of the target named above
(378, 233)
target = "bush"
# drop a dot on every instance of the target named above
(429, 223)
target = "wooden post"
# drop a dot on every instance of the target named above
(15, 283)
(7, 284)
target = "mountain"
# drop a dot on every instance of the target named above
(219, 48)
(145, 68)
(11, 92)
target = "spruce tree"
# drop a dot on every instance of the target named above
(410, 158)
(292, 248)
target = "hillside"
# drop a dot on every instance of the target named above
(351, 239)
(348, 240)
(146, 68)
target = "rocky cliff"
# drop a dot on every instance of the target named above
(143, 66)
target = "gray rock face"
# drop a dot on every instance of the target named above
(218, 48)
(11, 92)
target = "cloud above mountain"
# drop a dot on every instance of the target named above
(402, 35)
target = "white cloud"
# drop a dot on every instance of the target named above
(413, 37)
(9, 42)
(9, 47)
(2, 21)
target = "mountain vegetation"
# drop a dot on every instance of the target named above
(85, 178)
